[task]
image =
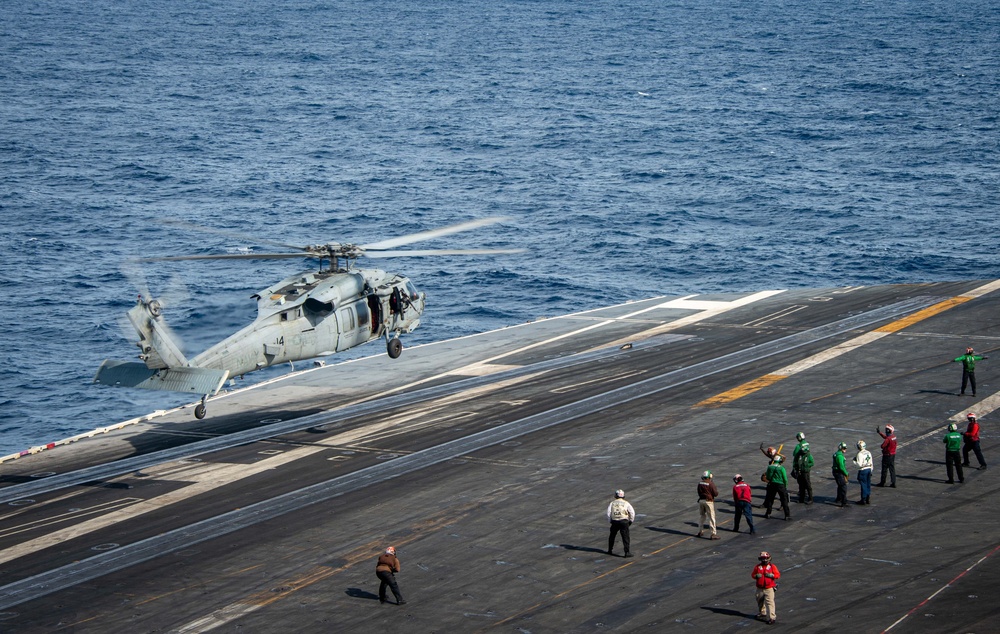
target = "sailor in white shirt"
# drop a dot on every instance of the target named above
(621, 515)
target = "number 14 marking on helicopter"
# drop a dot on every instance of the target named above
(310, 314)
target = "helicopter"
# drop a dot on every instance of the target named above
(310, 314)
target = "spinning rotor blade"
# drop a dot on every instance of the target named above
(175, 294)
(427, 252)
(232, 256)
(433, 233)
(382, 249)
(229, 234)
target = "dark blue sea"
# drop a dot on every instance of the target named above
(640, 148)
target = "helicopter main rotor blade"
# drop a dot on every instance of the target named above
(233, 256)
(430, 252)
(229, 234)
(433, 233)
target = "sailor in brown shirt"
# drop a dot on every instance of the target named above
(386, 570)
(707, 492)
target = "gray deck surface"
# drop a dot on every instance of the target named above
(488, 462)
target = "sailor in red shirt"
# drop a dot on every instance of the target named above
(743, 497)
(766, 575)
(971, 437)
(888, 455)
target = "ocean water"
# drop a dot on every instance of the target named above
(640, 148)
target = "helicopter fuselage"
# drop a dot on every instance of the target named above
(315, 314)
(312, 314)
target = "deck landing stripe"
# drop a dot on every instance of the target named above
(895, 326)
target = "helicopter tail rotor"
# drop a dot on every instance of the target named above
(158, 345)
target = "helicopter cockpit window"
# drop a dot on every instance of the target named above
(411, 289)
(316, 308)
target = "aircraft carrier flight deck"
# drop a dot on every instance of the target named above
(488, 463)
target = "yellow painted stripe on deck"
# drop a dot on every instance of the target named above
(921, 315)
(741, 391)
(770, 379)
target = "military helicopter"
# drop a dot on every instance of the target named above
(311, 314)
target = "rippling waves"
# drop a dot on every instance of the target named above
(640, 148)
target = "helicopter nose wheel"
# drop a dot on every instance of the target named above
(394, 347)
(200, 410)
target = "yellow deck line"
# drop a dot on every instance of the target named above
(739, 392)
(923, 314)
(773, 377)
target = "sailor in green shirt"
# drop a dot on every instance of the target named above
(968, 361)
(952, 455)
(802, 464)
(777, 484)
(840, 474)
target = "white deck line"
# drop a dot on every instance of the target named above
(863, 340)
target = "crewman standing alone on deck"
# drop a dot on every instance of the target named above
(621, 515)
(386, 570)
(765, 576)
(968, 361)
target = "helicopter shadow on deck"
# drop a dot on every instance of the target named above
(171, 435)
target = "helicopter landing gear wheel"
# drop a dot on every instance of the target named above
(394, 347)
(200, 410)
